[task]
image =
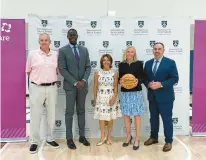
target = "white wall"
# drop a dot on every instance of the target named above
(21, 8)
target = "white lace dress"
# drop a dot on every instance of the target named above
(103, 111)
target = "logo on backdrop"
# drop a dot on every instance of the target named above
(68, 23)
(164, 30)
(44, 28)
(117, 24)
(58, 84)
(56, 44)
(116, 63)
(175, 120)
(95, 31)
(106, 48)
(175, 43)
(176, 49)
(177, 127)
(128, 43)
(141, 24)
(150, 48)
(93, 24)
(93, 64)
(140, 30)
(6, 28)
(105, 44)
(152, 43)
(117, 31)
(82, 43)
(177, 88)
(90, 108)
(58, 123)
(44, 23)
(164, 24)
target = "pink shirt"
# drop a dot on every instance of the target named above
(42, 66)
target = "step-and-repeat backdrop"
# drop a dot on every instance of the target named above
(112, 35)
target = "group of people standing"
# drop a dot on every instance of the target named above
(159, 75)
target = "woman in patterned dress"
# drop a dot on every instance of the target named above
(105, 97)
(131, 100)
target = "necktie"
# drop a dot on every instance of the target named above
(155, 68)
(76, 55)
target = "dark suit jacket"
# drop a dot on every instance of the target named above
(167, 74)
(68, 66)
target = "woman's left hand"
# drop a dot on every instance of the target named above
(112, 101)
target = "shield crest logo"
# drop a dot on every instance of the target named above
(93, 24)
(57, 44)
(116, 63)
(93, 64)
(152, 43)
(117, 24)
(131, 121)
(175, 43)
(175, 120)
(44, 23)
(82, 43)
(105, 44)
(69, 24)
(129, 43)
(92, 103)
(141, 24)
(58, 84)
(164, 24)
(58, 123)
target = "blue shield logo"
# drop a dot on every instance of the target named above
(93, 64)
(128, 43)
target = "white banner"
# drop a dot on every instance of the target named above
(112, 35)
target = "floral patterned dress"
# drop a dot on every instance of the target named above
(103, 111)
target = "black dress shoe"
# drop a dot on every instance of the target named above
(33, 148)
(84, 141)
(71, 144)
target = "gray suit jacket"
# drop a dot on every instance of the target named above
(68, 66)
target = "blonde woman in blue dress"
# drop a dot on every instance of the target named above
(106, 100)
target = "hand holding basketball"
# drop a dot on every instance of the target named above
(128, 81)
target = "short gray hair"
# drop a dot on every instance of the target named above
(46, 35)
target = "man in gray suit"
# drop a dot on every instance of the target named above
(74, 66)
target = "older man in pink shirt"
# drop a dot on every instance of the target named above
(41, 68)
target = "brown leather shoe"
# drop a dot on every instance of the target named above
(167, 147)
(150, 141)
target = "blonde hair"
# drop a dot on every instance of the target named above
(124, 58)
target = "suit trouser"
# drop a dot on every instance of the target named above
(77, 96)
(165, 110)
(38, 94)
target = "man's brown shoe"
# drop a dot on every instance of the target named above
(167, 147)
(150, 141)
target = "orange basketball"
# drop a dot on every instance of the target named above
(128, 81)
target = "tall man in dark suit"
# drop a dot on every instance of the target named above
(74, 66)
(161, 75)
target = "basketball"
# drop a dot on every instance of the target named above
(128, 81)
